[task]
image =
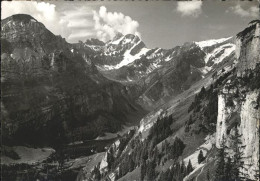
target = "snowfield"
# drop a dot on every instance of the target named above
(207, 43)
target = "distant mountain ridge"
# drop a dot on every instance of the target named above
(125, 58)
(203, 133)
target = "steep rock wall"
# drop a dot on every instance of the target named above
(247, 51)
(246, 103)
(221, 120)
(249, 129)
(249, 112)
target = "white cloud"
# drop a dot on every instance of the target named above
(79, 22)
(252, 11)
(189, 8)
(79, 34)
(107, 24)
(74, 24)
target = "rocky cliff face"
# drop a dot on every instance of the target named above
(239, 102)
(24, 31)
(248, 113)
(249, 128)
(248, 43)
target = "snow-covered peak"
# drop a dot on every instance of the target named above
(123, 39)
(118, 36)
(207, 43)
(128, 58)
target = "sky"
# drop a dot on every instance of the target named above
(164, 24)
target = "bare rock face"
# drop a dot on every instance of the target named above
(247, 51)
(239, 104)
(222, 120)
(249, 128)
(25, 31)
(248, 120)
(47, 84)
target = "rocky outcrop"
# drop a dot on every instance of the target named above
(94, 41)
(221, 126)
(47, 85)
(249, 129)
(247, 51)
(238, 102)
(249, 114)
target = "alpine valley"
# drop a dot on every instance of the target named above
(118, 110)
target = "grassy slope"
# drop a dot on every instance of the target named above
(134, 175)
(178, 106)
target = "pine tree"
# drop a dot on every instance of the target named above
(151, 170)
(120, 171)
(228, 170)
(257, 171)
(131, 165)
(220, 170)
(156, 155)
(96, 174)
(200, 157)
(189, 167)
(110, 158)
(208, 175)
(257, 176)
(183, 168)
(143, 170)
(237, 163)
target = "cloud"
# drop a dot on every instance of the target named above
(79, 34)
(252, 11)
(189, 8)
(107, 24)
(80, 23)
(74, 24)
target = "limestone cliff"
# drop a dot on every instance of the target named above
(248, 43)
(238, 102)
(249, 128)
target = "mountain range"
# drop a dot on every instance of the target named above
(118, 110)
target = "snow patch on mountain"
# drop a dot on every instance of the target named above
(116, 42)
(207, 43)
(168, 58)
(128, 58)
(227, 48)
(154, 54)
(217, 56)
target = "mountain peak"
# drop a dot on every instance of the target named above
(94, 41)
(25, 18)
(118, 35)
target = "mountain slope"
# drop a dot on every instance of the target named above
(48, 86)
(61, 95)
(169, 140)
(157, 74)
